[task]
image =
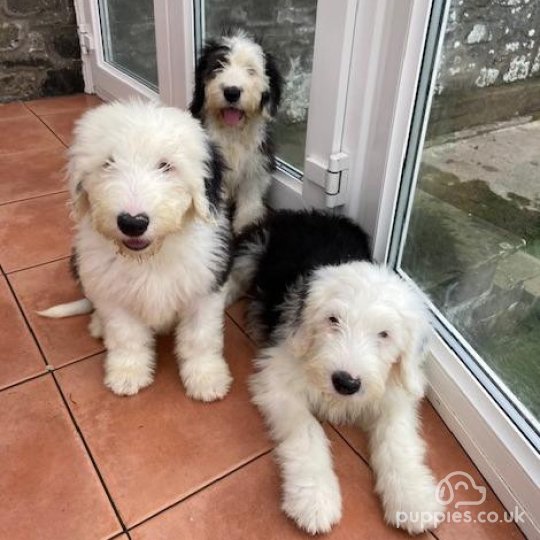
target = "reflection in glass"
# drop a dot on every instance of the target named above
(129, 40)
(473, 242)
(286, 29)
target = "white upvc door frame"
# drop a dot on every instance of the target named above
(388, 50)
(175, 47)
(100, 77)
(174, 55)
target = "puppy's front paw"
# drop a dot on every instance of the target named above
(315, 504)
(127, 378)
(416, 508)
(206, 379)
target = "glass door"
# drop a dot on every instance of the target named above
(128, 37)
(122, 46)
(468, 224)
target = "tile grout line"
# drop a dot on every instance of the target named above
(25, 380)
(70, 413)
(243, 331)
(89, 453)
(202, 488)
(27, 322)
(34, 197)
(350, 446)
(43, 122)
(36, 265)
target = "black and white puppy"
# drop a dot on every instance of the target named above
(152, 243)
(342, 341)
(237, 93)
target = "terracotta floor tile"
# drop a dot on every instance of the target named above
(31, 174)
(25, 133)
(62, 340)
(62, 124)
(237, 312)
(77, 102)
(159, 446)
(34, 231)
(13, 110)
(20, 356)
(48, 487)
(248, 502)
(446, 455)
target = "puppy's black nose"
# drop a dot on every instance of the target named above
(344, 383)
(232, 93)
(132, 225)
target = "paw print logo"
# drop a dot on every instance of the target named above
(462, 483)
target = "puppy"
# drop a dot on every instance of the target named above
(152, 243)
(237, 92)
(342, 341)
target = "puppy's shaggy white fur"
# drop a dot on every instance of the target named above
(152, 164)
(237, 92)
(344, 340)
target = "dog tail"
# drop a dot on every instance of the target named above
(78, 307)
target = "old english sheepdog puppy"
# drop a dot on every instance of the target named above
(152, 243)
(237, 93)
(343, 341)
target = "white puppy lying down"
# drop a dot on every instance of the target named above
(343, 342)
(152, 243)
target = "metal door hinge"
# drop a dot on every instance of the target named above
(332, 176)
(86, 39)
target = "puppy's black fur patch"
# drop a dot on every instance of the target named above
(213, 183)
(272, 98)
(291, 246)
(213, 57)
(267, 148)
(74, 265)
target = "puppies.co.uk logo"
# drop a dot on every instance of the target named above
(456, 481)
(458, 489)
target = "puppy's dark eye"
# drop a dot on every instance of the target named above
(334, 321)
(164, 166)
(383, 334)
(252, 71)
(109, 162)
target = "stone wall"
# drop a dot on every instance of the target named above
(39, 49)
(490, 43)
(490, 64)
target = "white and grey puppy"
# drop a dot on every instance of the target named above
(237, 92)
(343, 341)
(152, 243)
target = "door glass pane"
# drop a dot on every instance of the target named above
(286, 29)
(473, 238)
(129, 39)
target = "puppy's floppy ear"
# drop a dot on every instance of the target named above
(79, 197)
(79, 201)
(302, 336)
(212, 56)
(206, 203)
(301, 340)
(271, 99)
(197, 101)
(416, 326)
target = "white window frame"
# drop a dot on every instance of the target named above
(387, 57)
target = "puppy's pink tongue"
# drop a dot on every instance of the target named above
(232, 116)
